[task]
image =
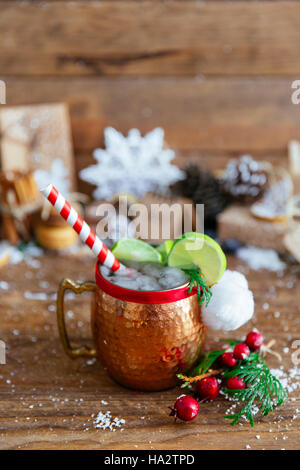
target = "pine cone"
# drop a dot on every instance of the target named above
(201, 186)
(245, 179)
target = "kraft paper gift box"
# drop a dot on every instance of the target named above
(33, 137)
(237, 222)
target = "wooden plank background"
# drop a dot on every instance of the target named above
(150, 38)
(215, 75)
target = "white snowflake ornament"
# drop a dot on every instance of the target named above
(57, 175)
(231, 304)
(132, 164)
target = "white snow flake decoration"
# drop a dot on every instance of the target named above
(132, 164)
(57, 175)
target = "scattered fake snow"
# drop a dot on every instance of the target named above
(105, 421)
(290, 380)
(35, 295)
(16, 255)
(4, 285)
(258, 258)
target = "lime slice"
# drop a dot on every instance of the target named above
(198, 250)
(164, 249)
(130, 249)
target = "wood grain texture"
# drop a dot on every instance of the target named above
(149, 38)
(143, 64)
(46, 399)
(237, 114)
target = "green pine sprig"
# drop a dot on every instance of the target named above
(263, 389)
(198, 280)
(205, 363)
(231, 342)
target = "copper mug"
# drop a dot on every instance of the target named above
(143, 339)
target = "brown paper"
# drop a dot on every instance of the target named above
(292, 242)
(32, 137)
(237, 222)
(294, 164)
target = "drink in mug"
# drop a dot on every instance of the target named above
(143, 336)
(146, 319)
(146, 326)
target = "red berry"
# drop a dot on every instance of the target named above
(185, 408)
(241, 351)
(234, 383)
(228, 359)
(254, 340)
(208, 388)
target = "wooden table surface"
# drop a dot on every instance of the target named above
(46, 399)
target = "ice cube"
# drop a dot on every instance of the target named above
(127, 283)
(131, 273)
(106, 272)
(147, 283)
(152, 277)
(172, 277)
(152, 269)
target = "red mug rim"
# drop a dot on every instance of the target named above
(143, 297)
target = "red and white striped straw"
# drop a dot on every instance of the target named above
(86, 234)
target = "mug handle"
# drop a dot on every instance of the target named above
(77, 289)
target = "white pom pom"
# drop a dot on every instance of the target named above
(231, 304)
(235, 277)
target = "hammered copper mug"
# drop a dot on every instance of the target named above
(143, 339)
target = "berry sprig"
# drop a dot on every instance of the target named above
(244, 375)
(198, 280)
(201, 370)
